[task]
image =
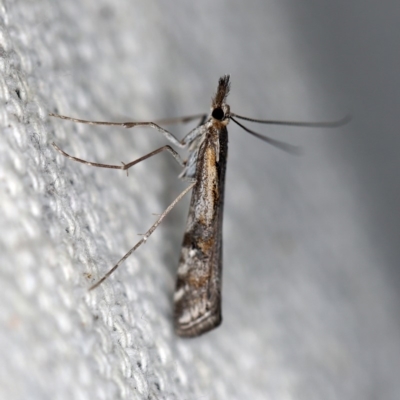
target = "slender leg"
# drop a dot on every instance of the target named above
(154, 125)
(145, 237)
(124, 166)
(203, 120)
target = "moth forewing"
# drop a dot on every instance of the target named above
(197, 299)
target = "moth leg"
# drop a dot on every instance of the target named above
(153, 153)
(203, 120)
(182, 120)
(145, 236)
(124, 166)
(169, 136)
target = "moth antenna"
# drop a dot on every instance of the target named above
(331, 124)
(289, 148)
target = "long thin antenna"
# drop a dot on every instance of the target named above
(332, 124)
(277, 143)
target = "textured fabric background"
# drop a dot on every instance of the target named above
(311, 249)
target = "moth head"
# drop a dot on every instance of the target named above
(219, 109)
(221, 113)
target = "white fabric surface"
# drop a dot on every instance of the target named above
(310, 255)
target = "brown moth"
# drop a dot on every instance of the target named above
(197, 299)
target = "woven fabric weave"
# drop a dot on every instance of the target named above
(307, 313)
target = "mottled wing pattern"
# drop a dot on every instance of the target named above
(197, 299)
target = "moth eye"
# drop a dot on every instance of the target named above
(218, 114)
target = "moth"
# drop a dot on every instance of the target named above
(197, 298)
